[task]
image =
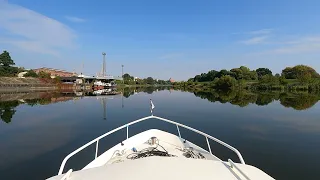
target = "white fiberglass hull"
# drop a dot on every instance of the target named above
(116, 163)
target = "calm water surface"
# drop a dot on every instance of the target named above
(279, 134)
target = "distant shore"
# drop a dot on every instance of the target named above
(141, 85)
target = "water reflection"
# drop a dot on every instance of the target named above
(109, 91)
(240, 98)
(300, 101)
(129, 91)
(7, 110)
(295, 100)
(9, 102)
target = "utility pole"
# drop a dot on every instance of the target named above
(82, 67)
(122, 74)
(104, 73)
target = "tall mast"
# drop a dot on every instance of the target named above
(104, 73)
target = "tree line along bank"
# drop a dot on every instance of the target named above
(300, 77)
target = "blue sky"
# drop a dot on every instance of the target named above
(162, 39)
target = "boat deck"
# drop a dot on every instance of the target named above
(176, 148)
(166, 142)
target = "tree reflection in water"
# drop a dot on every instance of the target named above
(129, 91)
(295, 100)
(301, 101)
(8, 106)
(7, 110)
(265, 98)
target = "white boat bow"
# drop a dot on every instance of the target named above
(160, 155)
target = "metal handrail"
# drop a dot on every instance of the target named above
(96, 140)
(233, 165)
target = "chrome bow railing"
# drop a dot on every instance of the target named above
(96, 140)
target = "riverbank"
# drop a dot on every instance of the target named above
(14, 84)
(8, 84)
(225, 85)
(298, 100)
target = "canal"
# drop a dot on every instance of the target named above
(276, 132)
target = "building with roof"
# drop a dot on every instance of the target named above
(55, 72)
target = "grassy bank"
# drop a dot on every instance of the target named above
(253, 85)
(25, 84)
(14, 84)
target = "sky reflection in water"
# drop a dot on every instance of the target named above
(272, 130)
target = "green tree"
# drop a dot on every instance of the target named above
(304, 77)
(241, 83)
(140, 81)
(203, 77)
(211, 75)
(127, 77)
(305, 69)
(5, 59)
(45, 75)
(246, 72)
(263, 71)
(31, 73)
(244, 69)
(224, 72)
(6, 64)
(294, 72)
(225, 82)
(243, 73)
(253, 75)
(283, 80)
(238, 73)
(150, 80)
(288, 73)
(197, 78)
(269, 79)
(190, 79)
